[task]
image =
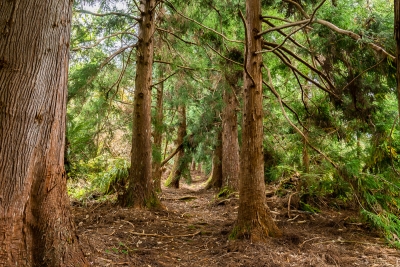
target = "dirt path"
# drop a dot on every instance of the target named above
(193, 230)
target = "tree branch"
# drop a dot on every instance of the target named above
(294, 126)
(201, 25)
(107, 14)
(176, 36)
(104, 38)
(179, 148)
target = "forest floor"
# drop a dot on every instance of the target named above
(193, 230)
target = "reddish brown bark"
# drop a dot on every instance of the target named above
(140, 192)
(36, 227)
(230, 143)
(254, 220)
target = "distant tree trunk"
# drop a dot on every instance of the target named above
(306, 156)
(216, 179)
(193, 165)
(181, 164)
(254, 219)
(140, 192)
(157, 135)
(397, 38)
(36, 227)
(230, 143)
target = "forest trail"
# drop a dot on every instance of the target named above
(193, 230)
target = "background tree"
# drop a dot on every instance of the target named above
(36, 228)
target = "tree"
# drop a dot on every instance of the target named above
(181, 163)
(254, 219)
(230, 143)
(36, 228)
(140, 192)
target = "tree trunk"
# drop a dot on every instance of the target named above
(254, 219)
(157, 135)
(140, 192)
(181, 164)
(306, 156)
(230, 143)
(397, 38)
(36, 226)
(216, 179)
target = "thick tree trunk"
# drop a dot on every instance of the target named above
(157, 136)
(397, 38)
(216, 179)
(230, 143)
(254, 219)
(36, 226)
(140, 192)
(181, 164)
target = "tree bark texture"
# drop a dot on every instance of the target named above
(254, 219)
(181, 164)
(216, 178)
(397, 38)
(157, 135)
(230, 143)
(140, 192)
(36, 225)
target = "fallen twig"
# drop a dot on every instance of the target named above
(164, 236)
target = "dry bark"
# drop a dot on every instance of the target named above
(140, 192)
(36, 228)
(254, 219)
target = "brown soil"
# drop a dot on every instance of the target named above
(193, 230)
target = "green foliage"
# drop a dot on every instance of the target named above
(386, 222)
(113, 178)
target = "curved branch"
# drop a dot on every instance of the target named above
(284, 26)
(176, 36)
(107, 14)
(335, 28)
(324, 77)
(295, 127)
(303, 75)
(354, 36)
(102, 39)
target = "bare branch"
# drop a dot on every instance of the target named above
(179, 148)
(355, 36)
(107, 14)
(284, 26)
(289, 38)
